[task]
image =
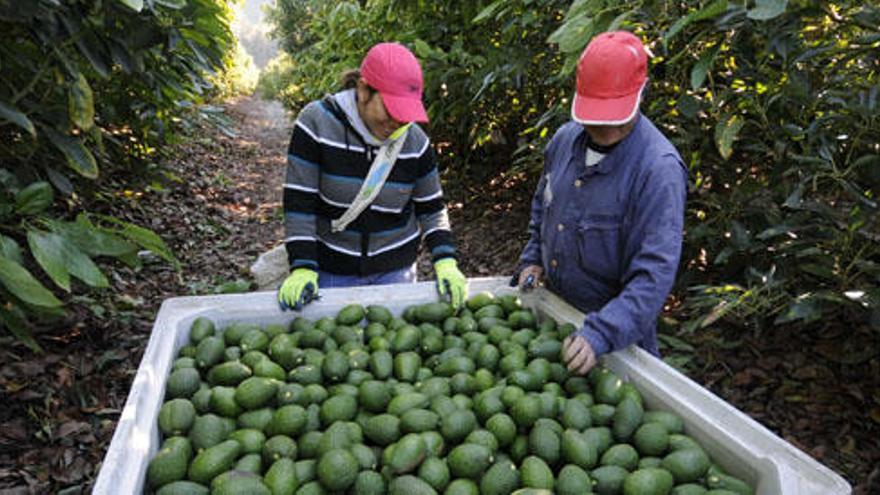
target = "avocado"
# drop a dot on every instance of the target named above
(337, 469)
(213, 461)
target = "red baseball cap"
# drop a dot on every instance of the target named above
(611, 73)
(395, 73)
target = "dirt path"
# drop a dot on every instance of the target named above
(218, 209)
(232, 196)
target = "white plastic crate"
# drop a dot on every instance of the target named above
(738, 443)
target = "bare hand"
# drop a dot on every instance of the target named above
(578, 354)
(536, 271)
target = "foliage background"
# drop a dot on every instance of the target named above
(90, 92)
(773, 105)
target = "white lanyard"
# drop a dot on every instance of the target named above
(375, 179)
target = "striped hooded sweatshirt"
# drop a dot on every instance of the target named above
(327, 162)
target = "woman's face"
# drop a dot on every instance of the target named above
(373, 112)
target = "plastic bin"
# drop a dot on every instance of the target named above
(741, 445)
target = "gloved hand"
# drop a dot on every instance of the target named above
(528, 277)
(299, 289)
(451, 282)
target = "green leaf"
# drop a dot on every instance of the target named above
(710, 11)
(93, 50)
(818, 270)
(8, 182)
(676, 27)
(723, 256)
(81, 104)
(16, 117)
(24, 286)
(78, 156)
(678, 362)
(6, 210)
(489, 11)
(809, 252)
(34, 198)
(739, 236)
(774, 231)
(172, 4)
(199, 38)
(60, 258)
(83, 268)
(869, 160)
(422, 49)
(765, 10)
(619, 20)
(60, 181)
(806, 309)
(10, 249)
(701, 68)
(146, 238)
(574, 35)
(862, 197)
(583, 7)
(869, 267)
(13, 318)
(49, 251)
(688, 106)
(93, 240)
(132, 260)
(675, 343)
(795, 198)
(868, 169)
(726, 132)
(135, 5)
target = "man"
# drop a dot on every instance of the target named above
(608, 214)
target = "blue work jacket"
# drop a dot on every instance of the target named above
(609, 236)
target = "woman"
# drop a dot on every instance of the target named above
(362, 188)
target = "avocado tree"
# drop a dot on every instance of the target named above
(489, 74)
(773, 105)
(88, 86)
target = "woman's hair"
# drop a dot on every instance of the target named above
(350, 79)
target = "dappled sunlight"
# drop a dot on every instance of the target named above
(247, 144)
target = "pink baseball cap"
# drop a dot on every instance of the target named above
(611, 73)
(395, 73)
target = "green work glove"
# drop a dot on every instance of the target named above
(300, 287)
(451, 282)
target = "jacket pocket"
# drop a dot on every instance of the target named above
(599, 249)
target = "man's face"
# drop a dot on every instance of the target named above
(374, 114)
(606, 135)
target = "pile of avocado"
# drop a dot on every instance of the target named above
(427, 402)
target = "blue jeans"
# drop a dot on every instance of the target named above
(328, 280)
